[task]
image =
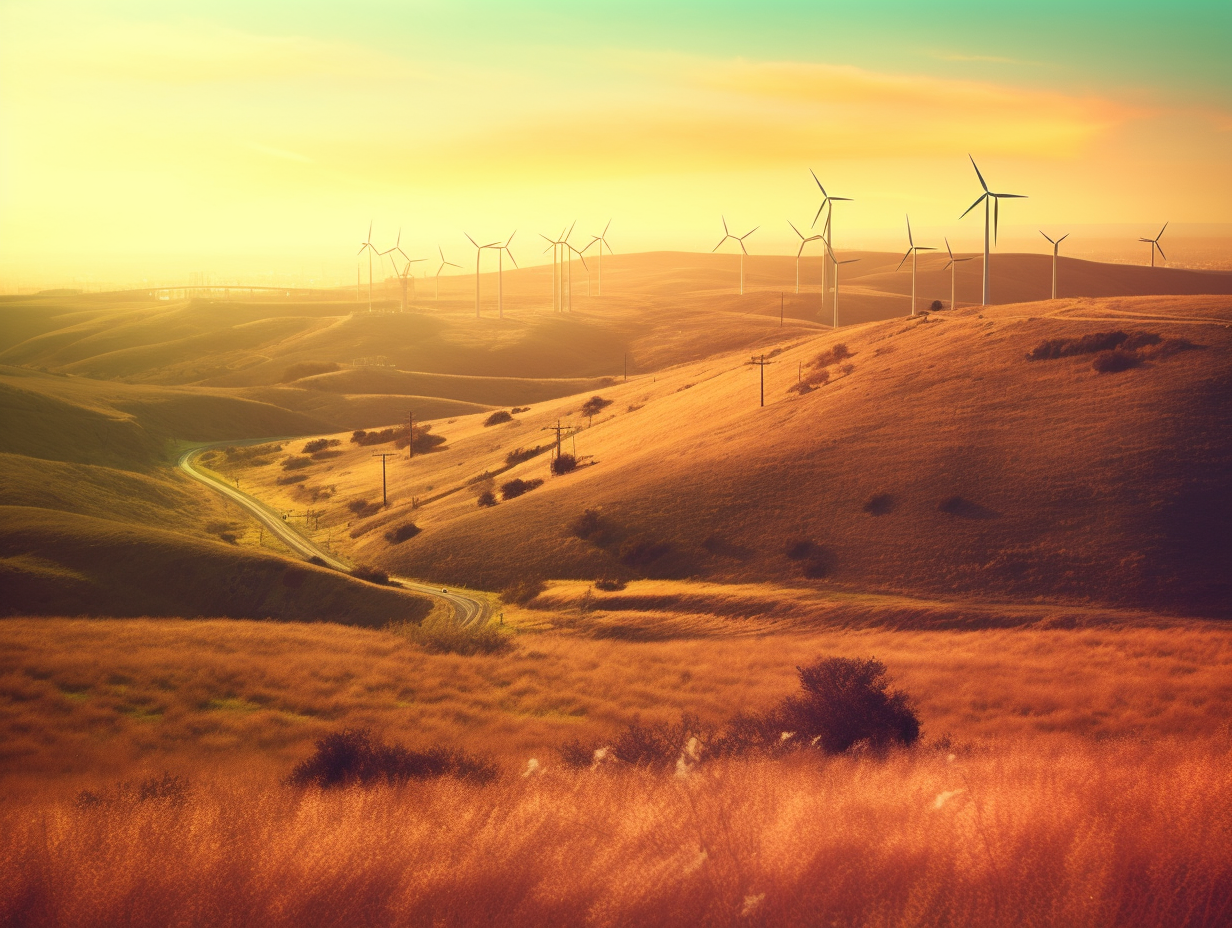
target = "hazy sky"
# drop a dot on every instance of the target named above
(238, 137)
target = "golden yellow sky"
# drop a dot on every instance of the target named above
(150, 141)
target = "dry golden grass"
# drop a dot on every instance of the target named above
(1123, 834)
(83, 701)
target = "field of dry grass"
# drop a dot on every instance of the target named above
(1073, 835)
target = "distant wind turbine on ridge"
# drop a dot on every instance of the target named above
(367, 245)
(1055, 248)
(478, 254)
(601, 238)
(444, 264)
(837, 262)
(403, 275)
(912, 251)
(1155, 244)
(804, 241)
(827, 203)
(501, 251)
(995, 199)
(739, 240)
(952, 267)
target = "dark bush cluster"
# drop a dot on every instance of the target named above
(371, 575)
(640, 551)
(564, 463)
(425, 441)
(609, 584)
(831, 355)
(842, 702)
(519, 409)
(588, 525)
(320, 444)
(516, 487)
(1116, 360)
(362, 438)
(523, 591)
(518, 455)
(355, 757)
(402, 532)
(486, 498)
(816, 561)
(595, 405)
(936, 306)
(363, 508)
(497, 418)
(296, 463)
(816, 377)
(291, 478)
(1091, 343)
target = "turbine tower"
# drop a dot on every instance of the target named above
(985, 198)
(827, 203)
(444, 264)
(804, 241)
(501, 251)
(837, 262)
(478, 254)
(739, 240)
(1155, 244)
(602, 240)
(952, 268)
(1055, 248)
(367, 246)
(403, 275)
(558, 260)
(912, 252)
(571, 252)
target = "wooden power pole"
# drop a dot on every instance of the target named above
(558, 429)
(383, 455)
(761, 362)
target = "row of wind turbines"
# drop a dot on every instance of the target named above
(563, 252)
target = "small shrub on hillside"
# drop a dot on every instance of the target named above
(291, 478)
(595, 405)
(371, 575)
(638, 552)
(442, 635)
(486, 498)
(1111, 362)
(516, 487)
(937, 306)
(402, 532)
(589, 523)
(1092, 343)
(831, 355)
(564, 463)
(320, 444)
(846, 701)
(815, 378)
(879, 505)
(609, 584)
(497, 418)
(362, 438)
(294, 463)
(523, 591)
(325, 455)
(355, 757)
(657, 746)
(519, 409)
(518, 455)
(362, 508)
(425, 441)
(317, 561)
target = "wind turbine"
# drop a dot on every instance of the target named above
(996, 199)
(444, 264)
(478, 253)
(602, 240)
(406, 270)
(837, 262)
(804, 241)
(952, 268)
(739, 240)
(1155, 244)
(912, 251)
(500, 273)
(571, 252)
(827, 203)
(367, 245)
(556, 244)
(1055, 248)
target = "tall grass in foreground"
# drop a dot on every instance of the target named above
(1115, 834)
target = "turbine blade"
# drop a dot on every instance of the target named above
(794, 229)
(849, 261)
(1161, 231)
(472, 241)
(725, 232)
(904, 261)
(822, 189)
(973, 206)
(948, 252)
(818, 216)
(511, 257)
(842, 199)
(1062, 238)
(1011, 196)
(605, 228)
(1050, 241)
(1161, 250)
(716, 247)
(978, 174)
(910, 241)
(750, 232)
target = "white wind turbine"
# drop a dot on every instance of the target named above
(602, 240)
(403, 275)
(827, 203)
(1155, 244)
(952, 267)
(571, 251)
(837, 262)
(556, 244)
(501, 251)
(367, 246)
(912, 251)
(804, 241)
(739, 240)
(478, 254)
(444, 264)
(1056, 246)
(996, 199)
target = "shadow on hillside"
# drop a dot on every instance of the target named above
(966, 509)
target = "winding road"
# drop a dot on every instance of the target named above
(468, 610)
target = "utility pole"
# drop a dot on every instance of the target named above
(761, 362)
(558, 429)
(410, 434)
(383, 455)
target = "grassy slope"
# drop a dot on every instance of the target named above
(1070, 484)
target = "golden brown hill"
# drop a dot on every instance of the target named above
(936, 459)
